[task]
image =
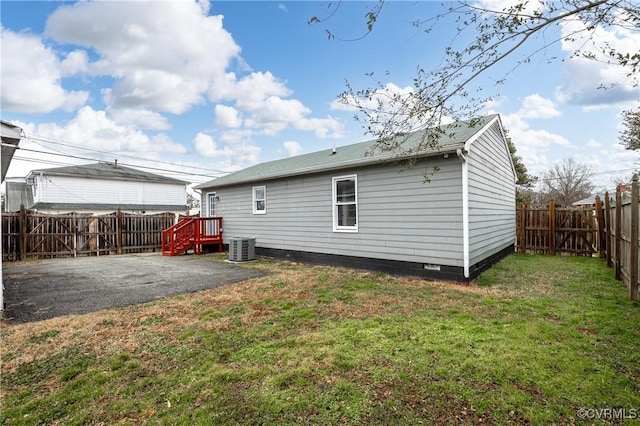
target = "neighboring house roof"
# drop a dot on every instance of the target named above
(590, 200)
(10, 135)
(111, 171)
(108, 207)
(450, 138)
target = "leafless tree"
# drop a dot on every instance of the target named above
(568, 182)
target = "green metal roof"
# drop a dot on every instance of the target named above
(452, 137)
(107, 171)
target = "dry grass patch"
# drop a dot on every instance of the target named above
(531, 342)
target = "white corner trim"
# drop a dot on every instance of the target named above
(465, 211)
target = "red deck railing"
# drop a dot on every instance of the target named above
(192, 233)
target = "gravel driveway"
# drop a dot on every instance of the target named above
(56, 287)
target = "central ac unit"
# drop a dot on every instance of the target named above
(242, 249)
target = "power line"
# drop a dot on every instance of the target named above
(34, 138)
(591, 174)
(41, 161)
(124, 164)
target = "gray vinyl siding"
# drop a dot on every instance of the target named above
(492, 212)
(400, 217)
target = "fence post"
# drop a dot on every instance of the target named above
(520, 228)
(23, 233)
(618, 258)
(633, 255)
(607, 223)
(119, 231)
(523, 229)
(552, 227)
(602, 243)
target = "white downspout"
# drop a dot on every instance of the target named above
(465, 211)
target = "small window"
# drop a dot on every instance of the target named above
(259, 200)
(345, 204)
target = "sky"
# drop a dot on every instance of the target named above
(196, 90)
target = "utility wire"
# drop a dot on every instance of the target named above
(34, 138)
(124, 164)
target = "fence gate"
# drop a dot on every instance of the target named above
(575, 232)
(551, 230)
(50, 235)
(96, 235)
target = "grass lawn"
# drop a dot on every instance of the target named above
(536, 340)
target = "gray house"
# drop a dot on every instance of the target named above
(344, 207)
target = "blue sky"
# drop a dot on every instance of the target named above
(196, 90)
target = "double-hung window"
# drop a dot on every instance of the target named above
(345, 203)
(259, 200)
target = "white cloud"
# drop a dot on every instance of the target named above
(261, 100)
(592, 143)
(292, 147)
(235, 137)
(535, 106)
(227, 116)
(384, 104)
(250, 91)
(322, 127)
(608, 164)
(379, 96)
(207, 147)
(94, 129)
(235, 153)
(532, 145)
(163, 57)
(140, 118)
(75, 62)
(148, 61)
(596, 82)
(31, 75)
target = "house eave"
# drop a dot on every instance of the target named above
(10, 136)
(44, 172)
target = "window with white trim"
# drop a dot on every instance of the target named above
(345, 203)
(259, 200)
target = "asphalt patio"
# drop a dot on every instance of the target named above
(39, 290)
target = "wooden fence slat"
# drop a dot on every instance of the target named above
(607, 228)
(618, 248)
(552, 227)
(601, 243)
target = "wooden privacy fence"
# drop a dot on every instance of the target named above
(551, 230)
(619, 239)
(609, 229)
(27, 235)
